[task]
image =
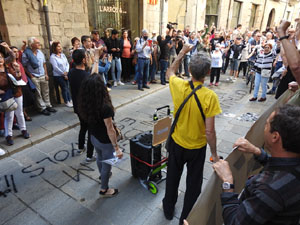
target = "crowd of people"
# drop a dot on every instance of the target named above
(84, 79)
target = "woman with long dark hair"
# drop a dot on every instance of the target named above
(95, 107)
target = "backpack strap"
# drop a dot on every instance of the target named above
(180, 109)
(198, 101)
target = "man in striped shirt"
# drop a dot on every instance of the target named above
(271, 197)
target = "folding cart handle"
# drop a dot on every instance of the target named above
(160, 108)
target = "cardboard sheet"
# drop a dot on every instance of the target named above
(161, 130)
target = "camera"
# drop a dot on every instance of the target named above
(170, 25)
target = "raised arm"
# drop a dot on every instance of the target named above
(293, 56)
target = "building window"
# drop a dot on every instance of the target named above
(114, 14)
(236, 14)
(212, 8)
(253, 15)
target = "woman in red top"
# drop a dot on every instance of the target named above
(126, 56)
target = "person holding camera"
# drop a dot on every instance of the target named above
(165, 46)
(144, 49)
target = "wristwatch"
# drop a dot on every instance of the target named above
(284, 37)
(227, 186)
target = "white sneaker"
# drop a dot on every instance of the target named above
(69, 104)
(88, 160)
(2, 152)
(108, 89)
(120, 83)
(115, 84)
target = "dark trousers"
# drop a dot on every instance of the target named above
(178, 156)
(143, 72)
(126, 68)
(226, 63)
(243, 66)
(215, 72)
(163, 69)
(81, 139)
(64, 85)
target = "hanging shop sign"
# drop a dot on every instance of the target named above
(152, 2)
(111, 9)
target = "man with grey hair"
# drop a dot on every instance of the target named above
(144, 49)
(34, 64)
(195, 128)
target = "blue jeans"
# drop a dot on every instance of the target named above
(136, 72)
(163, 70)
(152, 71)
(64, 85)
(143, 71)
(104, 152)
(116, 62)
(186, 63)
(259, 80)
(275, 82)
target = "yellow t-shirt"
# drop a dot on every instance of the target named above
(189, 132)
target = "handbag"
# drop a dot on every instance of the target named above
(7, 102)
(168, 142)
(265, 73)
(118, 132)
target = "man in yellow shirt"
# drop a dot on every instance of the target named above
(192, 132)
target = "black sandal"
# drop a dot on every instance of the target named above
(103, 193)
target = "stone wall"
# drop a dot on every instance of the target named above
(178, 12)
(153, 18)
(68, 18)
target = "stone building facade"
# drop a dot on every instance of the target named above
(228, 13)
(20, 19)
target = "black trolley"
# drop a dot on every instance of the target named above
(147, 161)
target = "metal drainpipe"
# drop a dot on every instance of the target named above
(46, 11)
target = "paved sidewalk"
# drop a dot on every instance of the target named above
(43, 127)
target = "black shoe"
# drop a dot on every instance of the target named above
(141, 89)
(270, 92)
(146, 86)
(163, 83)
(16, 127)
(51, 109)
(9, 140)
(45, 112)
(25, 134)
(169, 214)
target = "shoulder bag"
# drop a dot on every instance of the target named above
(168, 142)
